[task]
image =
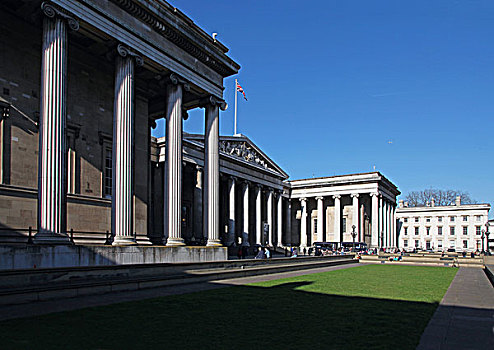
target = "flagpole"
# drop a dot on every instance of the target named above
(235, 125)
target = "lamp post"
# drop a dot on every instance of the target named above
(354, 234)
(482, 238)
(487, 233)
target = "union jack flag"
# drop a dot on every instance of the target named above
(239, 89)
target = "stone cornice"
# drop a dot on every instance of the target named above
(171, 33)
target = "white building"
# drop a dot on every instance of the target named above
(326, 209)
(441, 227)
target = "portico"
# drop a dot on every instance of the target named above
(331, 206)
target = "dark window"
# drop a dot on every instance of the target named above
(107, 180)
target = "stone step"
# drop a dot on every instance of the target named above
(64, 283)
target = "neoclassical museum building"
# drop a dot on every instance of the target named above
(82, 83)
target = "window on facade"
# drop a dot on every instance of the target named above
(107, 172)
(439, 244)
(440, 219)
(71, 161)
(465, 244)
(465, 218)
(416, 243)
(428, 220)
(465, 230)
(428, 245)
(440, 230)
(344, 225)
(478, 230)
(428, 230)
(452, 231)
(452, 244)
(416, 230)
(405, 231)
(478, 218)
(405, 220)
(405, 243)
(315, 225)
(452, 218)
(416, 219)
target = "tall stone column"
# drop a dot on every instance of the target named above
(279, 218)
(337, 218)
(303, 222)
(52, 189)
(288, 231)
(258, 220)
(386, 223)
(269, 209)
(355, 212)
(245, 231)
(393, 226)
(231, 211)
(198, 232)
(212, 170)
(123, 147)
(375, 220)
(173, 175)
(320, 219)
(381, 222)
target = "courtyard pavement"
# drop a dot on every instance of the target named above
(463, 320)
(50, 306)
(465, 316)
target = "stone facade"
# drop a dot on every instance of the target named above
(327, 209)
(458, 226)
(81, 94)
(78, 163)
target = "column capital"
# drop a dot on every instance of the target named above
(336, 196)
(354, 195)
(213, 101)
(319, 198)
(232, 178)
(176, 79)
(52, 11)
(303, 199)
(374, 194)
(199, 168)
(124, 51)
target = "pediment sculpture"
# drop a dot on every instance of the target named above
(244, 151)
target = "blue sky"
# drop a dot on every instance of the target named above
(341, 86)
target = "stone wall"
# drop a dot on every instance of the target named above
(13, 257)
(89, 118)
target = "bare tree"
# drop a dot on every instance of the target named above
(441, 197)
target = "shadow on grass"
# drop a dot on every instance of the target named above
(238, 317)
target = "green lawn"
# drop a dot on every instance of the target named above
(371, 306)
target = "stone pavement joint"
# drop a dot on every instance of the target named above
(465, 316)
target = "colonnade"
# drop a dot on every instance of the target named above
(52, 190)
(274, 213)
(382, 220)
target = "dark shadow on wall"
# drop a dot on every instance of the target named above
(239, 317)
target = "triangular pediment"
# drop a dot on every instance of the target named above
(242, 148)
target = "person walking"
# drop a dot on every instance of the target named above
(268, 254)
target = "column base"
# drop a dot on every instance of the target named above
(51, 238)
(213, 243)
(124, 240)
(174, 242)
